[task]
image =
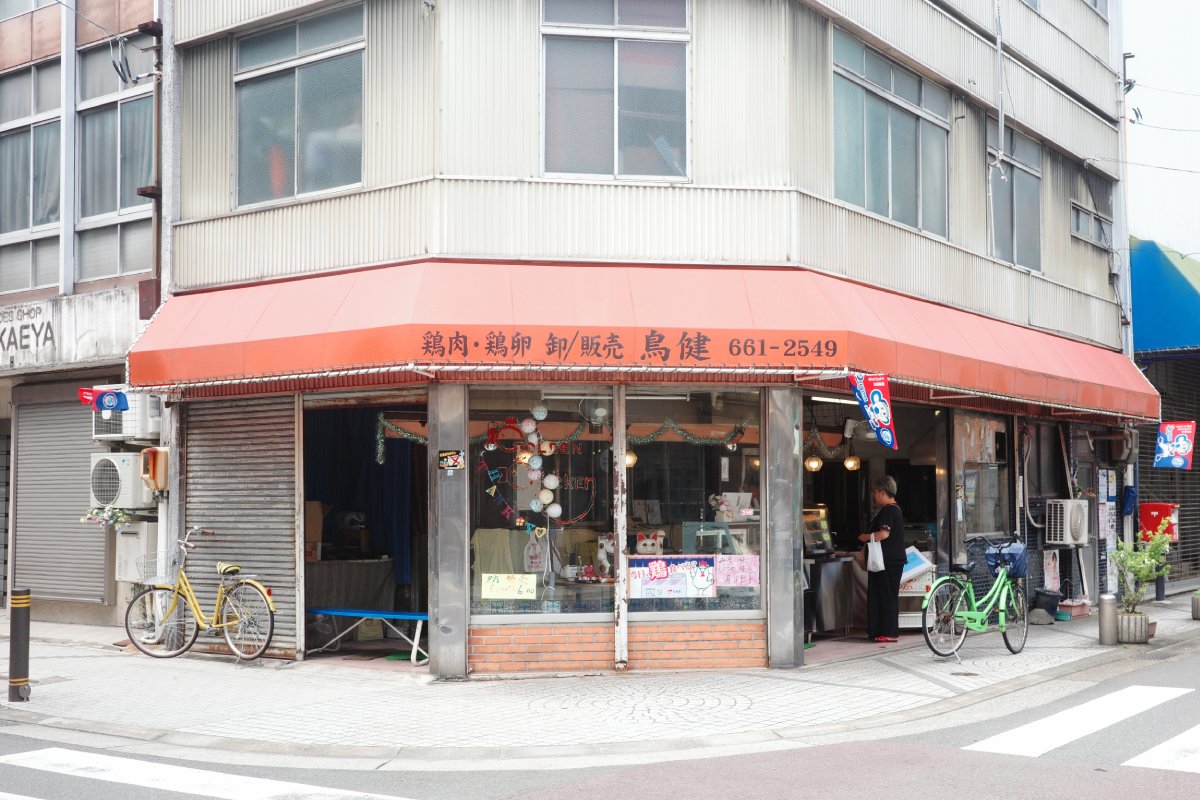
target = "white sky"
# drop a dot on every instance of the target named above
(1164, 205)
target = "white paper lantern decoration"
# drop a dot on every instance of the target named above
(550, 481)
(546, 496)
(535, 475)
(540, 412)
(535, 505)
(535, 462)
(548, 448)
(554, 511)
(534, 439)
(528, 425)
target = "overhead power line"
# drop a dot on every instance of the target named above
(1147, 166)
(1163, 127)
(1141, 85)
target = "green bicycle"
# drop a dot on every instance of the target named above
(950, 609)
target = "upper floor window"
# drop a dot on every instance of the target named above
(616, 87)
(299, 107)
(13, 8)
(1016, 189)
(891, 132)
(1101, 6)
(1091, 227)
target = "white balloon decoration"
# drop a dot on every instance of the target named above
(550, 481)
(528, 425)
(540, 412)
(535, 462)
(546, 496)
(535, 505)
(554, 511)
(535, 475)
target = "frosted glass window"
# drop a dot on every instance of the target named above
(879, 70)
(14, 181)
(45, 262)
(933, 178)
(652, 13)
(1080, 221)
(11, 8)
(653, 108)
(848, 140)
(49, 87)
(1026, 150)
(46, 163)
(329, 30)
(330, 123)
(266, 154)
(267, 48)
(97, 256)
(98, 162)
(876, 161)
(936, 100)
(96, 74)
(1027, 218)
(1002, 214)
(14, 267)
(139, 52)
(137, 150)
(1103, 232)
(16, 98)
(906, 85)
(848, 51)
(904, 167)
(579, 105)
(579, 12)
(137, 247)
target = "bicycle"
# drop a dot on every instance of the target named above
(949, 609)
(164, 619)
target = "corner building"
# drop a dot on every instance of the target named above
(538, 316)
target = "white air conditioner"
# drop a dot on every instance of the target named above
(1067, 522)
(117, 481)
(133, 542)
(141, 423)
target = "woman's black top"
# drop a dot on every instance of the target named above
(893, 546)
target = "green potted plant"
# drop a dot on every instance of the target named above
(1137, 567)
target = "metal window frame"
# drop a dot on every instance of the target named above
(119, 212)
(34, 117)
(31, 243)
(146, 87)
(1009, 162)
(1093, 217)
(617, 33)
(119, 225)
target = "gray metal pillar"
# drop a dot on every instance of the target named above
(784, 505)
(449, 569)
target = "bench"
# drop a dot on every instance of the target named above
(361, 615)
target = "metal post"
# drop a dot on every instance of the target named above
(1160, 587)
(1108, 619)
(18, 646)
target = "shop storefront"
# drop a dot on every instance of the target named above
(599, 477)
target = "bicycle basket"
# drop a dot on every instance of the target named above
(1013, 555)
(155, 569)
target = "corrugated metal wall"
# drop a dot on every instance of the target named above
(54, 554)
(240, 480)
(1084, 25)
(398, 93)
(195, 19)
(5, 454)
(1065, 258)
(810, 145)
(968, 177)
(207, 131)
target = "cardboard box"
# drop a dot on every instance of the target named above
(369, 630)
(312, 551)
(314, 520)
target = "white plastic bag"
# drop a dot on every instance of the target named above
(874, 555)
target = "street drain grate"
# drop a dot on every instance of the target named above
(1155, 657)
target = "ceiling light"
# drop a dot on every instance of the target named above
(840, 400)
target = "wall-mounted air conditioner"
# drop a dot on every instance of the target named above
(1067, 522)
(141, 423)
(117, 481)
(133, 542)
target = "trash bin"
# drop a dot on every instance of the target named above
(1047, 600)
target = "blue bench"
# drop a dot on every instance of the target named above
(364, 614)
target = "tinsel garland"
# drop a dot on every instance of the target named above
(670, 425)
(814, 440)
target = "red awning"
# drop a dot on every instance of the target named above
(449, 316)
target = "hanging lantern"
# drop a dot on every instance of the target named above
(813, 463)
(852, 461)
(630, 459)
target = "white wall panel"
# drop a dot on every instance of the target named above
(810, 92)
(968, 176)
(1066, 259)
(398, 99)
(1081, 23)
(1059, 308)
(196, 19)
(207, 130)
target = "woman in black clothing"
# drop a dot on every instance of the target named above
(883, 588)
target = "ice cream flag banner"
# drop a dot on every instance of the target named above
(1174, 447)
(875, 399)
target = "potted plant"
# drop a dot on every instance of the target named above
(1137, 567)
(107, 516)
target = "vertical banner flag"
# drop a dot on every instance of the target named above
(875, 399)
(1174, 447)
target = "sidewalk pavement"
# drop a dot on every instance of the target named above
(393, 716)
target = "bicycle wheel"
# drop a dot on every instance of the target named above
(1016, 620)
(247, 620)
(160, 623)
(944, 632)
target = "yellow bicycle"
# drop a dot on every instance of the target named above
(164, 619)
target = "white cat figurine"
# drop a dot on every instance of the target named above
(651, 543)
(604, 553)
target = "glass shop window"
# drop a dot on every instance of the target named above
(981, 477)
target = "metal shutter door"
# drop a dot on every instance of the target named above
(240, 480)
(4, 442)
(55, 556)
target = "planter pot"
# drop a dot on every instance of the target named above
(1133, 628)
(1196, 606)
(1153, 627)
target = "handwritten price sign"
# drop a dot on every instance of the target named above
(505, 586)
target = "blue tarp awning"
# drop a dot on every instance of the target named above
(1166, 298)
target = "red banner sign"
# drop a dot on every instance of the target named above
(875, 399)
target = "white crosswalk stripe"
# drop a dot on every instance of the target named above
(1062, 728)
(1181, 754)
(166, 777)
(7, 796)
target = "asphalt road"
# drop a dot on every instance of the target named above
(1128, 728)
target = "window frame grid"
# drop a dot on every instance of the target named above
(1009, 163)
(615, 34)
(122, 213)
(921, 113)
(293, 64)
(31, 243)
(33, 231)
(119, 226)
(1093, 217)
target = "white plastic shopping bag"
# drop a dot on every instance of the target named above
(874, 555)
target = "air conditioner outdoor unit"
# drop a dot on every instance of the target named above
(1067, 522)
(136, 541)
(142, 422)
(117, 481)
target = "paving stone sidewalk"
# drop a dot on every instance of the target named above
(82, 682)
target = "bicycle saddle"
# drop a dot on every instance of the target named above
(963, 568)
(225, 568)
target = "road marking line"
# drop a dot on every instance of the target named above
(7, 796)
(1062, 728)
(166, 777)
(1181, 754)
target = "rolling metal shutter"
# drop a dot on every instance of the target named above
(240, 480)
(54, 555)
(4, 456)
